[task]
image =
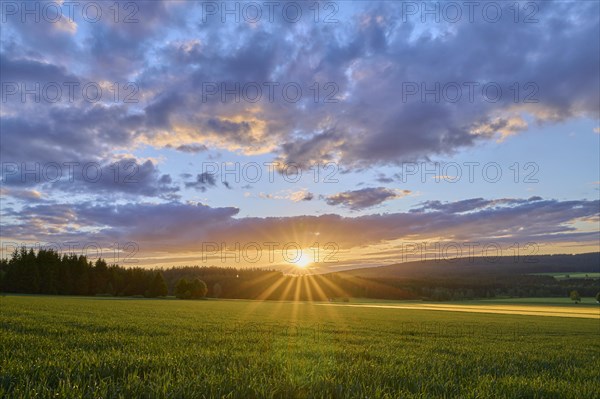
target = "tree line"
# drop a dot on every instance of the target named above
(48, 272)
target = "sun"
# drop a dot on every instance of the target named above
(303, 261)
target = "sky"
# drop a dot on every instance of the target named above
(301, 136)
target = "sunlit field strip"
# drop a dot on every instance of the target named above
(555, 311)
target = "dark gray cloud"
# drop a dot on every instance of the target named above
(308, 197)
(203, 181)
(125, 176)
(66, 134)
(382, 178)
(30, 70)
(192, 148)
(104, 178)
(365, 198)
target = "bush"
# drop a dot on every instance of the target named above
(575, 297)
(198, 289)
(195, 289)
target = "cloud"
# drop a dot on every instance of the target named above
(183, 227)
(364, 118)
(365, 198)
(126, 176)
(67, 134)
(382, 178)
(301, 195)
(203, 182)
(191, 148)
(308, 197)
(288, 195)
(122, 176)
(31, 196)
(472, 204)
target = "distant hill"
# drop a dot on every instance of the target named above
(473, 266)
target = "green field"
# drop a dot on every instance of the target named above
(71, 347)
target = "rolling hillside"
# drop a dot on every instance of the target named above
(501, 266)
